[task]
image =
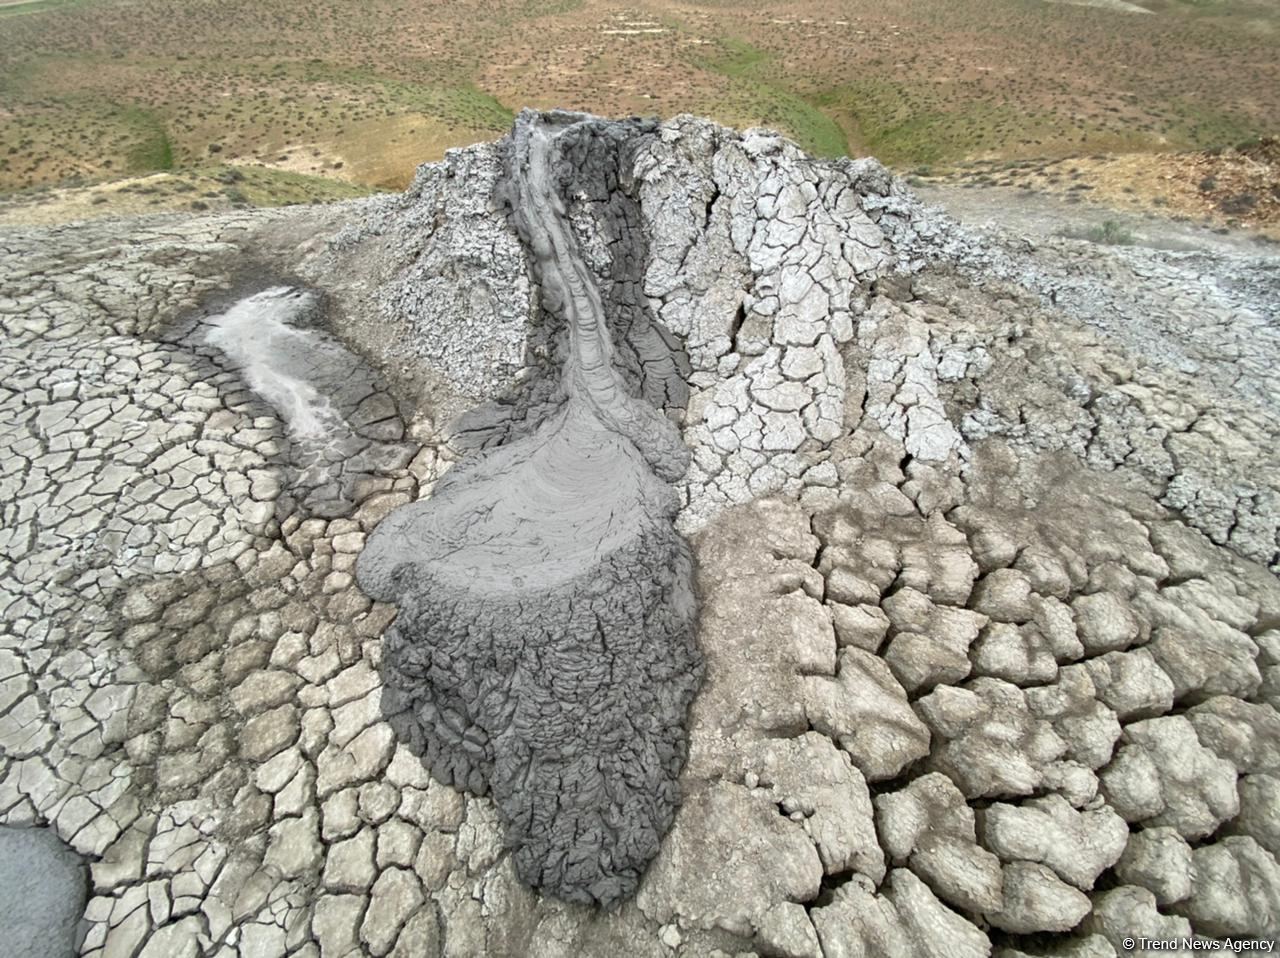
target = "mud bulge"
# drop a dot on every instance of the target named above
(544, 650)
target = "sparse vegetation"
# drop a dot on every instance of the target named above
(762, 102)
(198, 188)
(1232, 185)
(1111, 233)
(1242, 204)
(1108, 233)
(93, 90)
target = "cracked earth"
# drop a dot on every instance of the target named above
(984, 528)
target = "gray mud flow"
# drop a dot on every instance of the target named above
(544, 649)
(340, 423)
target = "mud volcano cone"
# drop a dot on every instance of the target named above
(544, 649)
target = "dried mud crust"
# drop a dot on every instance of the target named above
(968, 690)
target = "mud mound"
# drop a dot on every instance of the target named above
(985, 526)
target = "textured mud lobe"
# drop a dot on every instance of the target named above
(544, 650)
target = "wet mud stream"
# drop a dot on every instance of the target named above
(340, 424)
(544, 650)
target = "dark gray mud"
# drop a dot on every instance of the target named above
(544, 651)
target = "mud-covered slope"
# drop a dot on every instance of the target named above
(544, 649)
(982, 530)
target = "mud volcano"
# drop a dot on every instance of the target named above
(544, 648)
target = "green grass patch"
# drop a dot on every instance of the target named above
(737, 58)
(20, 75)
(1198, 127)
(153, 151)
(261, 186)
(906, 126)
(756, 93)
(481, 109)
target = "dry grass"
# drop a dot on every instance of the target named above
(98, 89)
(1229, 188)
(198, 189)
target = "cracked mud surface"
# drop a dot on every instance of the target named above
(989, 612)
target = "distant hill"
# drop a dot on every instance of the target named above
(102, 89)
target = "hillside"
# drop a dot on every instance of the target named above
(1232, 188)
(361, 93)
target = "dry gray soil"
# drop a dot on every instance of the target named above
(1041, 215)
